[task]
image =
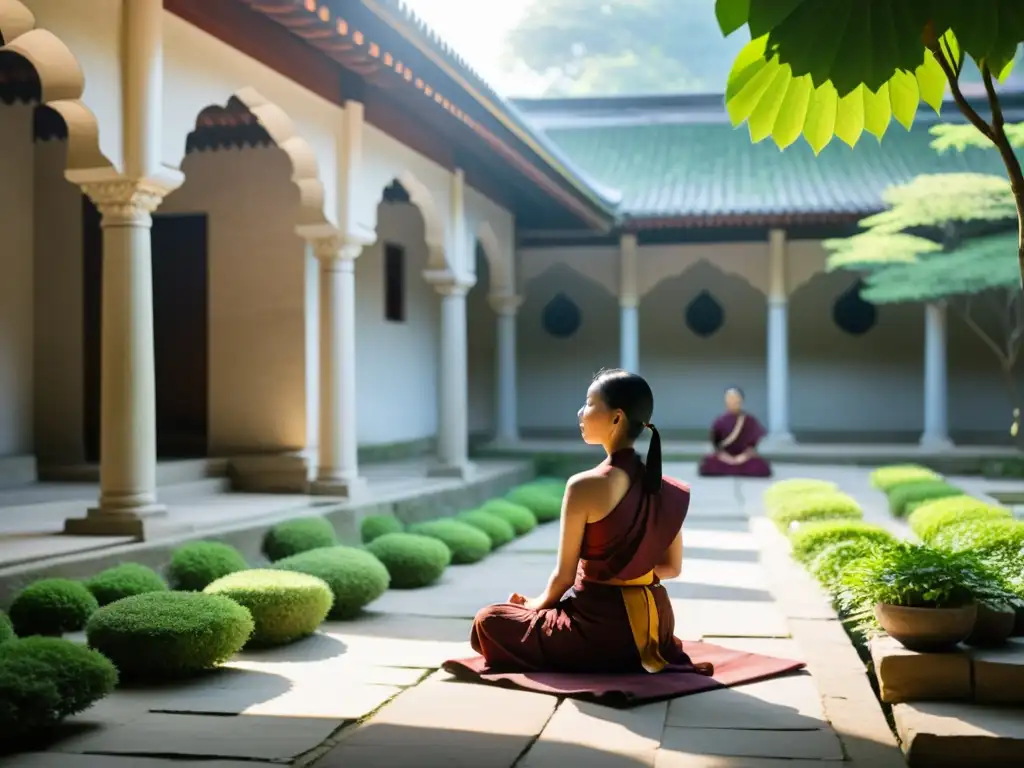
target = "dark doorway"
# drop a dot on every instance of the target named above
(180, 332)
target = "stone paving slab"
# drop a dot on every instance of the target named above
(584, 733)
(465, 589)
(783, 704)
(393, 640)
(673, 759)
(245, 736)
(731, 618)
(945, 734)
(442, 722)
(56, 760)
(730, 742)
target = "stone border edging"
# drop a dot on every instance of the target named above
(848, 700)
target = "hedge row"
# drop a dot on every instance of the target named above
(140, 626)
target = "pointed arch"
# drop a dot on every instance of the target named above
(498, 259)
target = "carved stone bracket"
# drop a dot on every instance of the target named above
(335, 247)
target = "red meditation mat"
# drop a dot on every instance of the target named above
(732, 667)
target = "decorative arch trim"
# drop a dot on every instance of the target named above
(498, 259)
(61, 82)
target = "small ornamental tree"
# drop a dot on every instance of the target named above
(825, 68)
(944, 238)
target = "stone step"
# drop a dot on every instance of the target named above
(167, 472)
(945, 734)
(985, 676)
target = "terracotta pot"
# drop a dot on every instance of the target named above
(992, 627)
(928, 630)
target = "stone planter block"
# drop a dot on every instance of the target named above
(999, 674)
(905, 675)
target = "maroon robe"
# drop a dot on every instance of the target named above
(585, 646)
(731, 439)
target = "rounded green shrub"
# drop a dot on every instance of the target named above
(543, 500)
(169, 634)
(902, 497)
(497, 529)
(795, 487)
(932, 516)
(52, 607)
(356, 577)
(887, 478)
(296, 536)
(45, 679)
(124, 580)
(412, 560)
(810, 539)
(6, 628)
(466, 543)
(374, 526)
(519, 517)
(556, 484)
(809, 507)
(828, 565)
(1001, 539)
(285, 605)
(196, 565)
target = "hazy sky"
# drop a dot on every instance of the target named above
(476, 29)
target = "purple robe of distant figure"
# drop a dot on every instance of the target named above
(735, 436)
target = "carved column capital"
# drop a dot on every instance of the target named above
(505, 304)
(126, 202)
(334, 247)
(448, 283)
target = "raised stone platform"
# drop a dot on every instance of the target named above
(944, 734)
(985, 676)
(33, 547)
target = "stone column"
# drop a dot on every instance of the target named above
(505, 400)
(337, 472)
(127, 379)
(778, 342)
(629, 304)
(453, 383)
(936, 426)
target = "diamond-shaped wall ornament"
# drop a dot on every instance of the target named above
(852, 314)
(704, 315)
(561, 317)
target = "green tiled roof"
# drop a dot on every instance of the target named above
(708, 171)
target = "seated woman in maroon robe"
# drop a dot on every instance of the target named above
(735, 435)
(604, 609)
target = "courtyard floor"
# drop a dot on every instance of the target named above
(369, 692)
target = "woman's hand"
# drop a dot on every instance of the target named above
(532, 604)
(517, 599)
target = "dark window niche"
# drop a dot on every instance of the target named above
(394, 283)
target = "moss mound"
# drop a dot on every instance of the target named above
(887, 478)
(199, 564)
(792, 511)
(466, 543)
(52, 607)
(810, 539)
(796, 486)
(45, 679)
(285, 605)
(1000, 539)
(6, 628)
(544, 500)
(412, 560)
(933, 516)
(375, 526)
(519, 517)
(904, 498)
(169, 634)
(124, 580)
(499, 531)
(356, 578)
(296, 536)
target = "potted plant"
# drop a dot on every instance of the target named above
(924, 598)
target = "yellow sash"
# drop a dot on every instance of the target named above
(642, 613)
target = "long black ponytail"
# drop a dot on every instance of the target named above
(631, 394)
